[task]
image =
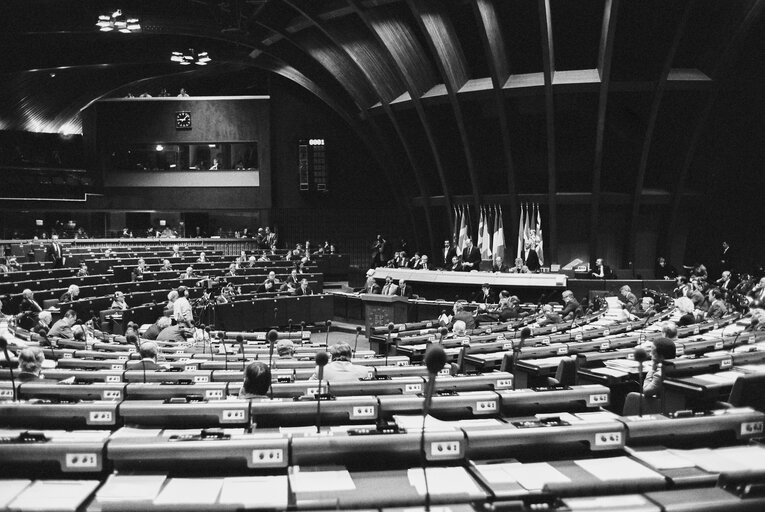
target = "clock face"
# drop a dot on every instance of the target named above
(183, 120)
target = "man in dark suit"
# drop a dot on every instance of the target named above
(571, 307)
(304, 288)
(471, 256)
(486, 295)
(602, 271)
(499, 265)
(530, 257)
(148, 351)
(448, 252)
(726, 257)
(29, 309)
(63, 328)
(664, 270)
(404, 290)
(55, 252)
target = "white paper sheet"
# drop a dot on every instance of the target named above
(320, 481)
(54, 495)
(534, 476)
(190, 491)
(616, 468)
(130, 488)
(442, 481)
(10, 489)
(255, 492)
(661, 459)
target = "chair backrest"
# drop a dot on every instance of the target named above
(749, 391)
(566, 372)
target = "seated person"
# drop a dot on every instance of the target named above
(285, 349)
(571, 307)
(42, 327)
(71, 294)
(189, 273)
(646, 308)
(519, 267)
(175, 333)
(685, 309)
(486, 295)
(148, 352)
(389, 288)
(153, 331)
(550, 316)
(63, 328)
(662, 349)
(341, 369)
(718, 308)
(232, 270)
(627, 298)
(620, 313)
(371, 285)
(509, 306)
(257, 380)
(304, 288)
(758, 319)
(459, 330)
(455, 265)
(166, 266)
(30, 364)
(119, 301)
(461, 314)
(422, 264)
(139, 271)
(602, 271)
(499, 265)
(29, 309)
(83, 271)
(404, 290)
(202, 258)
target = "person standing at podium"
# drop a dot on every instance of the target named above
(471, 256)
(530, 256)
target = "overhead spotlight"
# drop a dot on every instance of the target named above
(116, 21)
(189, 57)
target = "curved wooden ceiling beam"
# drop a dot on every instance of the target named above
(494, 46)
(443, 42)
(605, 56)
(653, 116)
(398, 55)
(726, 60)
(548, 63)
(320, 25)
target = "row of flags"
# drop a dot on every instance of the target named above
(530, 230)
(491, 231)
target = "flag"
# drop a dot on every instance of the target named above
(539, 239)
(456, 227)
(463, 230)
(484, 241)
(520, 235)
(499, 235)
(527, 225)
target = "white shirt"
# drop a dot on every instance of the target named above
(182, 311)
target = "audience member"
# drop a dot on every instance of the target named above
(30, 364)
(341, 369)
(63, 328)
(119, 301)
(257, 381)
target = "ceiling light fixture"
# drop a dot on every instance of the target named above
(190, 56)
(117, 21)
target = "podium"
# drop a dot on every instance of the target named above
(380, 310)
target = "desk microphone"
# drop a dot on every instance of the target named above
(272, 337)
(289, 325)
(276, 310)
(525, 333)
(641, 356)
(328, 323)
(571, 327)
(443, 331)
(240, 340)
(4, 346)
(225, 350)
(322, 358)
(752, 325)
(387, 342)
(435, 359)
(356, 343)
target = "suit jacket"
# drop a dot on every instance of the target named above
(531, 260)
(501, 268)
(452, 252)
(718, 309)
(29, 306)
(471, 256)
(491, 298)
(147, 364)
(572, 308)
(61, 329)
(307, 291)
(421, 265)
(630, 301)
(405, 291)
(390, 289)
(55, 253)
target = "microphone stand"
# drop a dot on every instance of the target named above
(640, 380)
(356, 342)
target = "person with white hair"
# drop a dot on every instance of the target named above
(685, 308)
(119, 301)
(30, 364)
(71, 294)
